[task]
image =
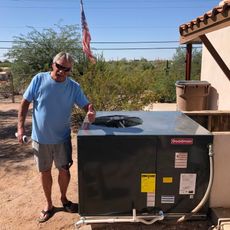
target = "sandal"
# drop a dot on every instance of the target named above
(45, 215)
(69, 207)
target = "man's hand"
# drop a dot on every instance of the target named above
(91, 114)
(20, 134)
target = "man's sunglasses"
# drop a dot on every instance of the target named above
(63, 68)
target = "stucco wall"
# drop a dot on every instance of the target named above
(219, 98)
(220, 191)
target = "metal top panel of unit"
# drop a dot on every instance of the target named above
(143, 123)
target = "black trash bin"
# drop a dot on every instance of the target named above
(192, 95)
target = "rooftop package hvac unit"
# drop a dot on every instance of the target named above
(143, 164)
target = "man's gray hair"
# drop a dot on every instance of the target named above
(67, 57)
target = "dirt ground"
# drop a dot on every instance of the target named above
(21, 196)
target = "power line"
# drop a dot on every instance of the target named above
(110, 42)
(133, 42)
(143, 48)
(102, 8)
(120, 42)
(138, 48)
(128, 48)
(103, 0)
(99, 27)
(106, 42)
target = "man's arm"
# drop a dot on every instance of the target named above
(23, 109)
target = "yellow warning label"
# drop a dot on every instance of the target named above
(148, 181)
(167, 180)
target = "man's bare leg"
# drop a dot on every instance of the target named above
(47, 181)
(63, 181)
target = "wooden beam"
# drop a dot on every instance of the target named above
(215, 55)
(213, 120)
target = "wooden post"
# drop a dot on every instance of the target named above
(12, 87)
(188, 61)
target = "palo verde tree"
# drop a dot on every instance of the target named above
(34, 51)
(179, 62)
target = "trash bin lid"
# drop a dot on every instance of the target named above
(191, 83)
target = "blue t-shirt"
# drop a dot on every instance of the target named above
(52, 105)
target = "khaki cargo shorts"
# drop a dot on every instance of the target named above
(46, 154)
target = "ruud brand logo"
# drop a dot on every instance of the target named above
(181, 141)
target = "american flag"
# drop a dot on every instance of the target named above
(86, 38)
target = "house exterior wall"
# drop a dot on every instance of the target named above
(211, 72)
(220, 190)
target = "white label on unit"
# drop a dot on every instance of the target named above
(150, 199)
(181, 159)
(166, 199)
(187, 183)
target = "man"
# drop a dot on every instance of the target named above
(53, 95)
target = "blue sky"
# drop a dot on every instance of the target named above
(109, 21)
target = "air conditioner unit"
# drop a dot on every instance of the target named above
(143, 161)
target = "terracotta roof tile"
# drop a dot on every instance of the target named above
(223, 8)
